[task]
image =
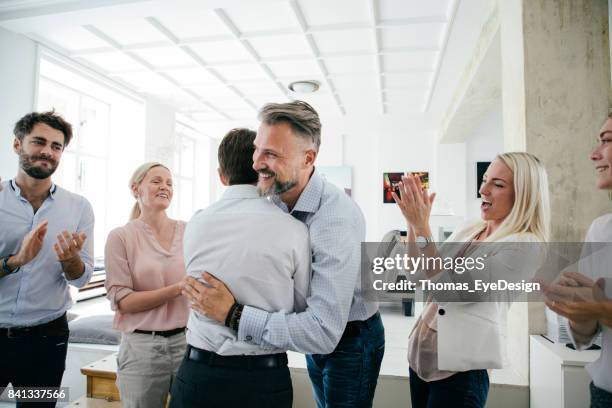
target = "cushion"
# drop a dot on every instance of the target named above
(94, 330)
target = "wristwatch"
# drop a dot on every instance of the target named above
(422, 242)
(5, 267)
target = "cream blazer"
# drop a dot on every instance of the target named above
(472, 335)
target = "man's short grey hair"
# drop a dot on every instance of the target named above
(303, 119)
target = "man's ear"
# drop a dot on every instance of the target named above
(310, 157)
(16, 145)
(222, 177)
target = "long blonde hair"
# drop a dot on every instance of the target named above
(530, 212)
(139, 174)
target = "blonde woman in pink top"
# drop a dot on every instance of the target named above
(144, 277)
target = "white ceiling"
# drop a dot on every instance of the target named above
(221, 60)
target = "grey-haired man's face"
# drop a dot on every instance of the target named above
(277, 157)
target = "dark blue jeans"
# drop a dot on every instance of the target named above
(467, 389)
(347, 377)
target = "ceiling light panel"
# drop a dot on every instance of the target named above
(359, 40)
(301, 69)
(359, 64)
(251, 17)
(132, 31)
(402, 9)
(280, 46)
(166, 56)
(237, 72)
(325, 12)
(418, 82)
(113, 62)
(215, 51)
(73, 38)
(418, 60)
(192, 76)
(414, 35)
(193, 22)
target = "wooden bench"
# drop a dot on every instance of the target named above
(101, 378)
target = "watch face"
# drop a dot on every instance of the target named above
(421, 242)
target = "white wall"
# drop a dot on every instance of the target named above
(378, 144)
(485, 142)
(17, 79)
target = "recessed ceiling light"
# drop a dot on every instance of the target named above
(304, 86)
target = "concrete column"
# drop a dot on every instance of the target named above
(555, 92)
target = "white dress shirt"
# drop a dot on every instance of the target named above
(259, 252)
(598, 265)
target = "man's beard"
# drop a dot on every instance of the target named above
(26, 163)
(277, 187)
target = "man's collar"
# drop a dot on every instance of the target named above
(17, 190)
(240, 191)
(310, 199)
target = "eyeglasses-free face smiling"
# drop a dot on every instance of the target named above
(497, 192)
(155, 190)
(40, 151)
(601, 157)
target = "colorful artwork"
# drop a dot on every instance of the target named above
(391, 181)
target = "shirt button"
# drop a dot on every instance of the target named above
(441, 312)
(249, 338)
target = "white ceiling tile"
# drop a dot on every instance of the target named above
(415, 35)
(280, 46)
(302, 69)
(325, 12)
(351, 65)
(361, 40)
(416, 80)
(407, 102)
(206, 116)
(112, 61)
(257, 88)
(166, 56)
(193, 22)
(130, 31)
(215, 51)
(418, 60)
(262, 16)
(189, 76)
(237, 72)
(261, 100)
(73, 38)
(148, 82)
(351, 84)
(398, 9)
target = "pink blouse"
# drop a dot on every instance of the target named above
(135, 261)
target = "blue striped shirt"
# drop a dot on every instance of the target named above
(337, 228)
(38, 292)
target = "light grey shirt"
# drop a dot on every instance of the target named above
(258, 251)
(598, 265)
(38, 293)
(337, 229)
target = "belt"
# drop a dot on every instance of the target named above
(57, 327)
(248, 362)
(163, 333)
(354, 328)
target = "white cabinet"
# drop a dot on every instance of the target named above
(558, 377)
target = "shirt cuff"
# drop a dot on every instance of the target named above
(252, 324)
(581, 341)
(84, 278)
(115, 294)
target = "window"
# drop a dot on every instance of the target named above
(108, 140)
(184, 174)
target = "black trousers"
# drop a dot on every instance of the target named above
(198, 384)
(34, 360)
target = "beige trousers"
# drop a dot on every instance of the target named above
(146, 366)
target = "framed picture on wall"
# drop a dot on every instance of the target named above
(481, 168)
(391, 182)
